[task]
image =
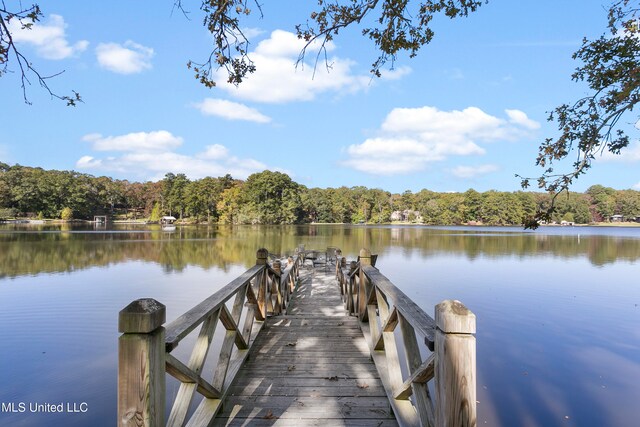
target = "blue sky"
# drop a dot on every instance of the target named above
(468, 112)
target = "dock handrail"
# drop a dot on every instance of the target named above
(451, 364)
(145, 346)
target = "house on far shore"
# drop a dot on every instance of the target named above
(406, 215)
(167, 220)
(616, 218)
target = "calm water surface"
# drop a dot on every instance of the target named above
(558, 309)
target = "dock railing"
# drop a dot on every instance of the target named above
(145, 345)
(448, 367)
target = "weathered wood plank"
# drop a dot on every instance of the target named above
(286, 381)
(361, 389)
(307, 422)
(297, 407)
(301, 372)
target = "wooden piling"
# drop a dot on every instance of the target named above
(141, 364)
(455, 365)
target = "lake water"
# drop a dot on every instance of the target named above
(558, 309)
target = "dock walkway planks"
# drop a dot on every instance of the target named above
(310, 367)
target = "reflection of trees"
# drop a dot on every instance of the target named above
(59, 250)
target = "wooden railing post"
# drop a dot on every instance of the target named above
(141, 364)
(363, 288)
(455, 365)
(351, 284)
(261, 259)
(278, 289)
(338, 254)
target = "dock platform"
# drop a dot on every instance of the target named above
(309, 367)
(304, 343)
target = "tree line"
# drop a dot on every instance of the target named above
(274, 198)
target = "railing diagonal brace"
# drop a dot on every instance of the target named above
(182, 373)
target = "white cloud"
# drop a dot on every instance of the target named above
(411, 138)
(230, 110)
(150, 155)
(278, 80)
(130, 58)
(251, 33)
(88, 162)
(139, 141)
(637, 186)
(214, 152)
(49, 38)
(517, 117)
(467, 172)
(630, 154)
(396, 73)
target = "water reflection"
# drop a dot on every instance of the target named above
(557, 309)
(48, 249)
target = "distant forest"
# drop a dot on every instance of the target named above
(274, 198)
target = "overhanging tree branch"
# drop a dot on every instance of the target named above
(610, 65)
(27, 18)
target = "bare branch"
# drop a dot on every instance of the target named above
(27, 18)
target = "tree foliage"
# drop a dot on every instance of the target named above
(394, 26)
(610, 66)
(66, 214)
(274, 198)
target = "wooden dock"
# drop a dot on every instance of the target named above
(303, 345)
(310, 367)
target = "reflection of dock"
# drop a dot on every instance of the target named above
(311, 343)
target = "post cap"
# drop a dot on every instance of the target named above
(453, 317)
(261, 256)
(142, 316)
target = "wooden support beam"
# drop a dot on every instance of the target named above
(231, 337)
(423, 402)
(182, 373)
(186, 391)
(423, 374)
